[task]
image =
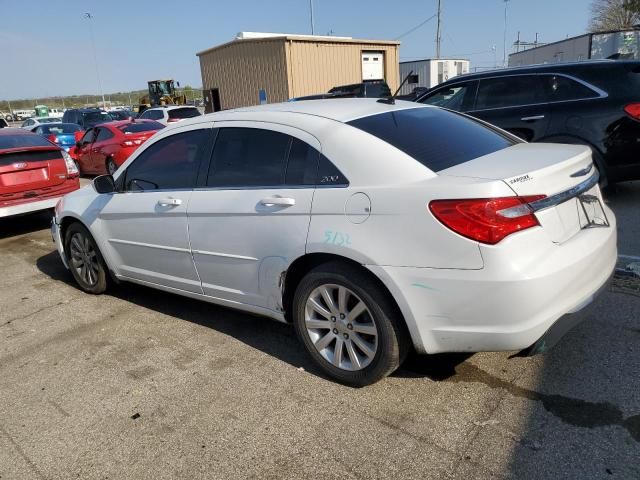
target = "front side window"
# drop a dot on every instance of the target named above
(452, 97)
(436, 138)
(88, 137)
(557, 88)
(248, 157)
(170, 163)
(509, 91)
(103, 134)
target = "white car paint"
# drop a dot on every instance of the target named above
(455, 294)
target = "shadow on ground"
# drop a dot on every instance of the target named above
(22, 224)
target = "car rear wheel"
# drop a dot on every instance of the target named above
(349, 325)
(85, 261)
(111, 166)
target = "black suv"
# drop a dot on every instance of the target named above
(86, 117)
(368, 88)
(594, 103)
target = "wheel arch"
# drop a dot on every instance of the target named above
(304, 264)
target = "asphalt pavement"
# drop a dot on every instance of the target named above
(143, 384)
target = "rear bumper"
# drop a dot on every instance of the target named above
(28, 207)
(526, 286)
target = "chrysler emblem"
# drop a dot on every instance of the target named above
(19, 165)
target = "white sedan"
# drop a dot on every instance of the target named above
(374, 228)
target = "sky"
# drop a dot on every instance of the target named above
(45, 47)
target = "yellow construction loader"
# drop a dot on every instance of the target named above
(161, 92)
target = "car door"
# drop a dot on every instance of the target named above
(98, 152)
(83, 151)
(252, 218)
(513, 103)
(145, 223)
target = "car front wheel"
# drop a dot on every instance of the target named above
(85, 261)
(349, 325)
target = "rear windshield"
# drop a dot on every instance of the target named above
(141, 127)
(60, 128)
(184, 113)
(22, 140)
(96, 117)
(437, 138)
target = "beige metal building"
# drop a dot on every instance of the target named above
(266, 68)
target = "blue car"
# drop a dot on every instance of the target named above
(62, 134)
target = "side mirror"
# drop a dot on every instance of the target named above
(104, 184)
(78, 145)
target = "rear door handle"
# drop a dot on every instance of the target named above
(278, 201)
(169, 202)
(532, 118)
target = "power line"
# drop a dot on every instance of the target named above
(416, 27)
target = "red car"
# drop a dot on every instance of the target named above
(34, 173)
(102, 149)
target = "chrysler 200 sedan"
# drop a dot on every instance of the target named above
(374, 228)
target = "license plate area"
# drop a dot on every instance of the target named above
(590, 211)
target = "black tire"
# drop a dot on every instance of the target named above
(393, 342)
(111, 166)
(97, 281)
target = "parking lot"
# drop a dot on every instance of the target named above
(144, 384)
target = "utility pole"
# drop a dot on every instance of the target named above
(504, 38)
(89, 17)
(438, 36)
(311, 12)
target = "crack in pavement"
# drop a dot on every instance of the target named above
(22, 317)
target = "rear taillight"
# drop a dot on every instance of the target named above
(133, 143)
(72, 169)
(633, 110)
(486, 220)
(52, 138)
(173, 120)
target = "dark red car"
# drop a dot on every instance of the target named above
(102, 149)
(34, 173)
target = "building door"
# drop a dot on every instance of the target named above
(212, 101)
(372, 65)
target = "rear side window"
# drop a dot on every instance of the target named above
(103, 134)
(21, 140)
(557, 88)
(248, 157)
(509, 91)
(184, 113)
(302, 165)
(436, 138)
(170, 163)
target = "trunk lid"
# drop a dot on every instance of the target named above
(30, 172)
(560, 172)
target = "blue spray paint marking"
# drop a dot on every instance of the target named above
(336, 238)
(422, 285)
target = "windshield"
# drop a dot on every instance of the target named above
(21, 140)
(436, 138)
(139, 127)
(60, 128)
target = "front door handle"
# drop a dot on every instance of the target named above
(532, 118)
(169, 202)
(278, 201)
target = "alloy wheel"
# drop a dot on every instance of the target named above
(111, 167)
(341, 327)
(84, 258)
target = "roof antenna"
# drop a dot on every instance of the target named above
(392, 99)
